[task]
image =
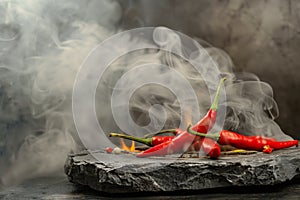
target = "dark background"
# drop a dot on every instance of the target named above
(261, 37)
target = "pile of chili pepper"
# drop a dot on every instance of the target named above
(184, 141)
(195, 138)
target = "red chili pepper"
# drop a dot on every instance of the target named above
(178, 144)
(252, 143)
(182, 142)
(156, 140)
(207, 122)
(211, 147)
(257, 143)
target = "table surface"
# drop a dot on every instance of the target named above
(61, 188)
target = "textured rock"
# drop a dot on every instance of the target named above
(125, 173)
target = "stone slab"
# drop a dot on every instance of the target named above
(112, 173)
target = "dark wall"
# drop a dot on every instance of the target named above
(262, 37)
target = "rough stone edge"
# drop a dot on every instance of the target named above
(280, 168)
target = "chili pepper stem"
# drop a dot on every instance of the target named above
(147, 141)
(167, 131)
(214, 136)
(161, 132)
(214, 105)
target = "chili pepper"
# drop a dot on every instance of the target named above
(210, 147)
(257, 143)
(178, 144)
(207, 122)
(152, 141)
(182, 142)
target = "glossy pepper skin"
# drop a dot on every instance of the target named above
(209, 146)
(156, 140)
(182, 142)
(207, 122)
(258, 143)
(252, 143)
(178, 144)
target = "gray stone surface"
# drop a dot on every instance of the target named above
(125, 173)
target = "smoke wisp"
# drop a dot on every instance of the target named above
(42, 45)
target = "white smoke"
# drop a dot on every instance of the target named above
(42, 45)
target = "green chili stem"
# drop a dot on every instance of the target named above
(214, 136)
(147, 141)
(214, 105)
(160, 132)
